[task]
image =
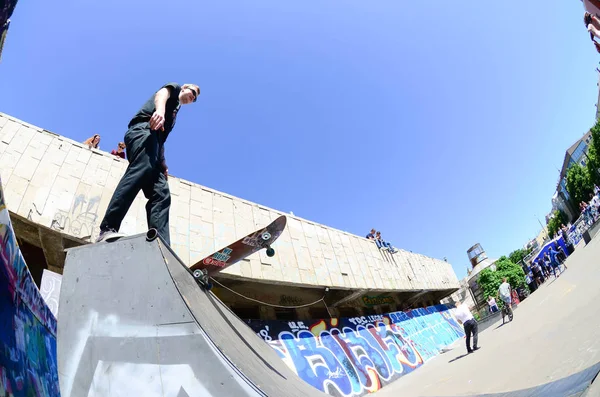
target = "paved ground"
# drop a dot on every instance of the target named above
(555, 333)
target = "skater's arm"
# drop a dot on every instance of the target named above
(157, 121)
(593, 30)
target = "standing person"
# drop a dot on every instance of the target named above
(463, 316)
(554, 261)
(562, 255)
(147, 171)
(505, 294)
(492, 303)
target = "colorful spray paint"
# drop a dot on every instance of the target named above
(355, 356)
(27, 326)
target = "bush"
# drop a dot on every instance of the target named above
(489, 280)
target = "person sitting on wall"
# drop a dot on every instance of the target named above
(381, 243)
(93, 142)
(371, 236)
(592, 24)
(120, 152)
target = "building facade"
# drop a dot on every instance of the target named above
(576, 154)
(57, 191)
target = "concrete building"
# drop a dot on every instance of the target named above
(479, 261)
(57, 191)
(576, 154)
(463, 294)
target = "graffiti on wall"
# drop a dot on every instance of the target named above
(377, 300)
(28, 365)
(359, 355)
(80, 220)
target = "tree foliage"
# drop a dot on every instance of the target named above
(558, 218)
(593, 160)
(517, 255)
(490, 280)
(579, 184)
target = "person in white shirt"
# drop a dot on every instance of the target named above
(493, 305)
(463, 316)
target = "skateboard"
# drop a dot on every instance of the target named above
(235, 252)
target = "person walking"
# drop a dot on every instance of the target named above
(463, 316)
(147, 170)
(505, 293)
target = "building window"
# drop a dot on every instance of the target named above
(579, 151)
(583, 163)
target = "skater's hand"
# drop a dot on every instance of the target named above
(157, 122)
(166, 172)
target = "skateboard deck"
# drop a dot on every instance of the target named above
(234, 252)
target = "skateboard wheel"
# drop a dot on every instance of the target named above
(151, 234)
(270, 252)
(198, 274)
(266, 236)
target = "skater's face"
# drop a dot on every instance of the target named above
(188, 95)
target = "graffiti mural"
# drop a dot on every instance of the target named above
(28, 365)
(80, 221)
(359, 355)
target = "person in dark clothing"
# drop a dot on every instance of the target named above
(147, 171)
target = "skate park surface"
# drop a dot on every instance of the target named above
(146, 319)
(551, 348)
(138, 322)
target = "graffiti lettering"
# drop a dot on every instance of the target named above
(80, 221)
(256, 239)
(377, 300)
(28, 365)
(289, 300)
(223, 256)
(359, 355)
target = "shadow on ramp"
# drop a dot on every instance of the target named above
(134, 322)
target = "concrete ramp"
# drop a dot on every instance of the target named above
(134, 322)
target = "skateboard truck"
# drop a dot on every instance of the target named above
(201, 277)
(270, 251)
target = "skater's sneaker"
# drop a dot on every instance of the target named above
(108, 235)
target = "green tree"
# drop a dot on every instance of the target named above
(517, 255)
(579, 184)
(490, 280)
(558, 218)
(593, 156)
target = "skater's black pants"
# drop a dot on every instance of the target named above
(145, 172)
(470, 327)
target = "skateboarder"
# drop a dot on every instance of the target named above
(147, 171)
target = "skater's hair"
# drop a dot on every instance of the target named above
(90, 141)
(587, 19)
(191, 86)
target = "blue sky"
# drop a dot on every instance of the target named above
(442, 124)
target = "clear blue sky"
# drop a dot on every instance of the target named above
(442, 124)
